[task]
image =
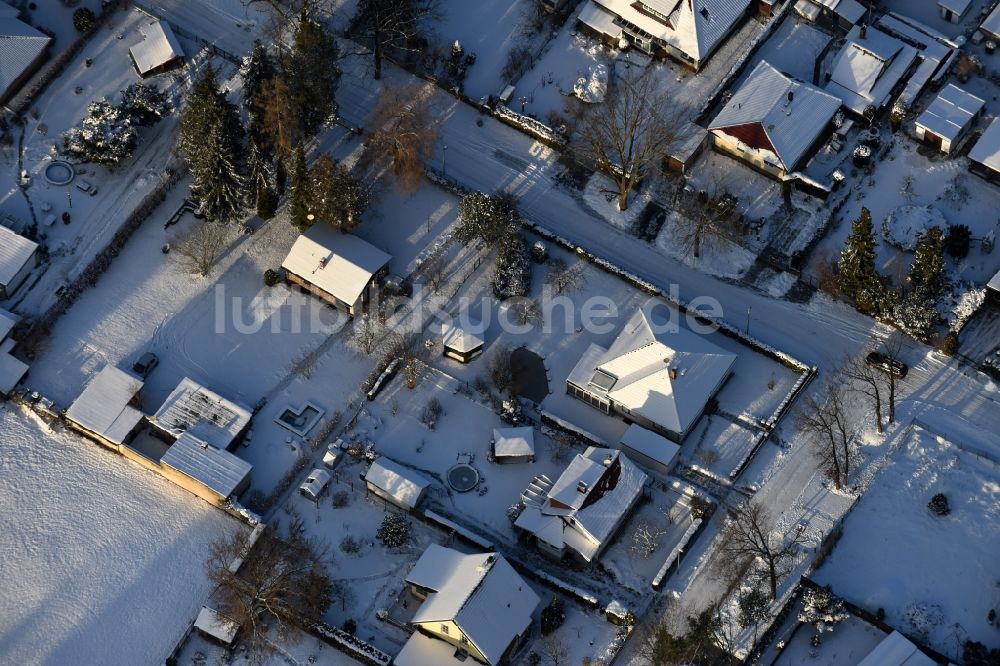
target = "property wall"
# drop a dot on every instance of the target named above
(192, 486)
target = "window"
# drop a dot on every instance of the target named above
(444, 628)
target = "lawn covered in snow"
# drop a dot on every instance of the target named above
(929, 572)
(103, 560)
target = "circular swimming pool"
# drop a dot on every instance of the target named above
(463, 477)
(60, 172)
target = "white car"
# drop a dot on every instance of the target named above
(314, 484)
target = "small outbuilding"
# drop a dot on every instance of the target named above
(214, 625)
(395, 483)
(211, 473)
(953, 10)
(315, 483)
(990, 27)
(204, 413)
(12, 370)
(514, 445)
(16, 254)
(648, 449)
(104, 410)
(984, 158)
(948, 118)
(158, 52)
(342, 269)
(462, 340)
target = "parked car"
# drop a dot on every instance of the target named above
(314, 484)
(885, 364)
(145, 364)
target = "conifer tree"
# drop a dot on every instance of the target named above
(489, 219)
(256, 70)
(259, 179)
(211, 141)
(300, 195)
(917, 313)
(312, 74)
(337, 198)
(928, 261)
(857, 260)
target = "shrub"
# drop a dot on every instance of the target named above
(394, 532)
(949, 344)
(431, 413)
(512, 272)
(271, 277)
(340, 499)
(939, 505)
(539, 252)
(553, 616)
(83, 19)
(350, 545)
(350, 626)
(957, 241)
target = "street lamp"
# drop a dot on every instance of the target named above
(444, 161)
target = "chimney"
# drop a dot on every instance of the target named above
(863, 31)
(673, 373)
(322, 262)
(607, 460)
(791, 96)
(582, 487)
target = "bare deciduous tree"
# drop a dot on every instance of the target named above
(868, 382)
(708, 214)
(367, 333)
(392, 26)
(526, 311)
(827, 420)
(892, 348)
(554, 651)
(635, 128)
(646, 539)
(750, 533)
(201, 248)
(563, 278)
(283, 581)
(402, 137)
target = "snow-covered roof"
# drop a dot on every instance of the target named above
(481, 593)
(216, 625)
(159, 47)
(420, 650)
(694, 27)
(868, 68)
(600, 19)
(896, 650)
(991, 24)
(650, 444)
(12, 370)
(400, 483)
(514, 441)
(665, 376)
(205, 414)
(791, 114)
(957, 6)
(15, 250)
(20, 45)
(338, 263)
(994, 282)
(849, 10)
(950, 112)
(216, 469)
(590, 498)
(104, 405)
(7, 322)
(462, 336)
(987, 149)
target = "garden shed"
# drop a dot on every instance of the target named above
(514, 445)
(395, 483)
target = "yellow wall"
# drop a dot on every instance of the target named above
(454, 636)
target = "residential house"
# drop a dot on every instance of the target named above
(395, 483)
(953, 10)
(649, 449)
(948, 118)
(688, 31)
(159, 50)
(470, 606)
(205, 414)
(106, 409)
(984, 158)
(12, 370)
(580, 512)
(16, 258)
(660, 379)
(868, 68)
(513, 445)
(22, 51)
(841, 13)
(340, 268)
(774, 122)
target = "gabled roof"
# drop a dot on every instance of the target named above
(791, 114)
(481, 593)
(216, 469)
(401, 483)
(103, 407)
(7, 322)
(159, 47)
(987, 149)
(15, 250)
(20, 45)
(648, 443)
(868, 68)
(462, 336)
(666, 376)
(694, 27)
(338, 263)
(204, 413)
(950, 112)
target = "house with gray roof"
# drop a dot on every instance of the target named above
(868, 68)
(984, 158)
(22, 50)
(948, 118)
(16, 254)
(774, 122)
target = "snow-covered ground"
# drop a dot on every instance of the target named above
(848, 643)
(933, 575)
(103, 560)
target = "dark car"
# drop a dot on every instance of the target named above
(885, 364)
(145, 364)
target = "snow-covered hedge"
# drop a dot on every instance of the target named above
(463, 532)
(676, 552)
(351, 645)
(556, 423)
(531, 126)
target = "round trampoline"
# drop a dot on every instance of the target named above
(59, 172)
(463, 477)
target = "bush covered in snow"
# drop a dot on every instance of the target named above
(105, 136)
(923, 618)
(939, 505)
(904, 225)
(512, 276)
(145, 104)
(916, 314)
(822, 609)
(394, 532)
